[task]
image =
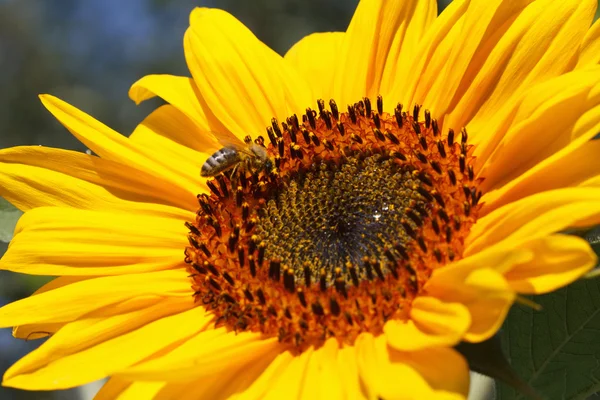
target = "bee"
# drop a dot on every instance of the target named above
(234, 154)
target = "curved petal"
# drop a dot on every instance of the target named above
(566, 109)
(119, 389)
(35, 176)
(315, 57)
(179, 91)
(481, 289)
(538, 42)
(438, 373)
(241, 81)
(56, 241)
(197, 359)
(388, 374)
(381, 39)
(107, 357)
(111, 145)
(537, 215)
(327, 372)
(590, 48)
(568, 168)
(290, 379)
(72, 301)
(432, 58)
(323, 377)
(168, 130)
(167, 133)
(558, 260)
(432, 323)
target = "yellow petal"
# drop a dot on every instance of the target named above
(231, 383)
(168, 130)
(110, 145)
(432, 323)
(179, 91)
(119, 389)
(566, 109)
(197, 359)
(348, 367)
(93, 330)
(569, 168)
(432, 58)
(35, 330)
(438, 373)
(72, 301)
(267, 380)
(108, 357)
(381, 39)
(481, 289)
(316, 57)
(241, 81)
(411, 24)
(535, 216)
(323, 378)
(65, 241)
(524, 46)
(328, 372)
(559, 260)
(289, 383)
(35, 176)
(590, 48)
(386, 374)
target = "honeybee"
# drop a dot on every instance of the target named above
(234, 154)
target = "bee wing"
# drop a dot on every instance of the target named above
(228, 139)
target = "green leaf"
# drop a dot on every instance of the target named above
(8, 219)
(556, 350)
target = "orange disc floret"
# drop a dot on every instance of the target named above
(342, 233)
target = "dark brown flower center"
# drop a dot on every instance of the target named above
(339, 230)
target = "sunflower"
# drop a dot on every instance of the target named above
(391, 190)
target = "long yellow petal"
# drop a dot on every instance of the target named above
(197, 359)
(267, 379)
(315, 57)
(323, 378)
(119, 389)
(169, 130)
(64, 241)
(111, 145)
(108, 357)
(537, 215)
(242, 81)
(590, 48)
(290, 380)
(72, 301)
(93, 330)
(380, 41)
(569, 168)
(432, 58)
(35, 176)
(566, 109)
(537, 43)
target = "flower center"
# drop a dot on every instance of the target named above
(338, 229)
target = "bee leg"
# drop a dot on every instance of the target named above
(234, 177)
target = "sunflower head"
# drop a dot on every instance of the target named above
(340, 247)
